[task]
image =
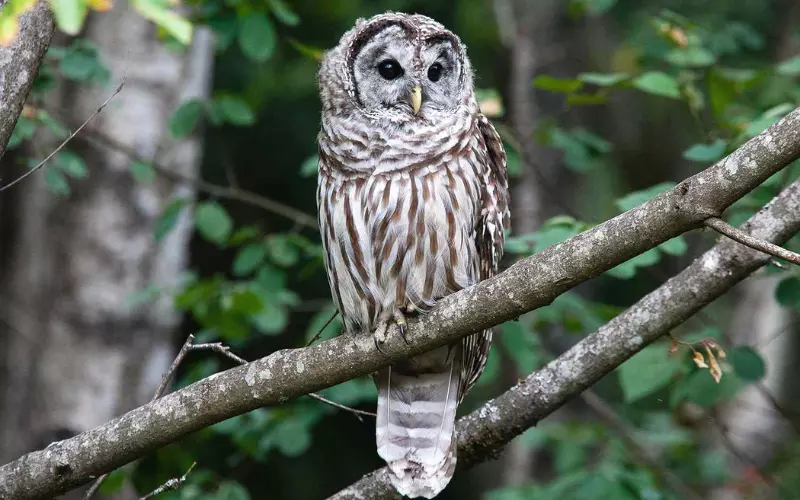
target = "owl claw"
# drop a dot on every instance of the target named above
(400, 320)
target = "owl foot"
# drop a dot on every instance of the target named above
(399, 319)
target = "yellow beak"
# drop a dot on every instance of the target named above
(416, 99)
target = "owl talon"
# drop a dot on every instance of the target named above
(378, 345)
(400, 320)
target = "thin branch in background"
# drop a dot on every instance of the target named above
(220, 348)
(319, 333)
(638, 450)
(171, 485)
(735, 234)
(68, 139)
(232, 192)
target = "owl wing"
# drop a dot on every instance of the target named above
(493, 219)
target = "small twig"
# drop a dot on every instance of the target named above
(639, 451)
(220, 348)
(71, 136)
(735, 234)
(319, 333)
(172, 484)
(357, 413)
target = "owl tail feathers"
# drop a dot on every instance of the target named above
(415, 429)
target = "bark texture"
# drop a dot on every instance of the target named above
(76, 354)
(19, 65)
(530, 283)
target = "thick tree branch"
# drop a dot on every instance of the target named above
(528, 284)
(731, 232)
(486, 430)
(19, 65)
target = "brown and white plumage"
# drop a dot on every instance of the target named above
(413, 202)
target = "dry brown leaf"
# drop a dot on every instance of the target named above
(698, 359)
(714, 369)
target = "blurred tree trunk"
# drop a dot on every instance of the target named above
(73, 352)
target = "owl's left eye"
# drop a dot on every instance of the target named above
(390, 69)
(435, 72)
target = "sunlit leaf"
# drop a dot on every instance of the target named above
(309, 166)
(71, 164)
(159, 12)
(69, 14)
(693, 57)
(789, 67)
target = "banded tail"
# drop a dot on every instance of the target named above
(415, 429)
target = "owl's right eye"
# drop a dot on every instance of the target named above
(390, 69)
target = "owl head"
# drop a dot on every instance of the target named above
(396, 67)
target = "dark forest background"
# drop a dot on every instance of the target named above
(188, 206)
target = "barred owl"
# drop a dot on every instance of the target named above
(413, 201)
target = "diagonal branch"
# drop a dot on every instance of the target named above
(731, 232)
(482, 433)
(528, 284)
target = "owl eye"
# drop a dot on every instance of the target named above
(435, 72)
(390, 69)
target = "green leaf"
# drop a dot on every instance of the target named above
(71, 164)
(142, 172)
(521, 345)
(272, 319)
(114, 482)
(231, 490)
(257, 36)
(284, 13)
(23, 130)
(248, 258)
(184, 119)
(281, 251)
(603, 79)
(213, 222)
(553, 84)
(789, 67)
(706, 152)
(647, 372)
(69, 14)
(309, 166)
(167, 221)
(701, 388)
(292, 438)
(236, 110)
(244, 302)
(627, 269)
(658, 83)
(79, 65)
(56, 182)
(675, 246)
(160, 13)
(636, 198)
(692, 57)
(788, 292)
(747, 363)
